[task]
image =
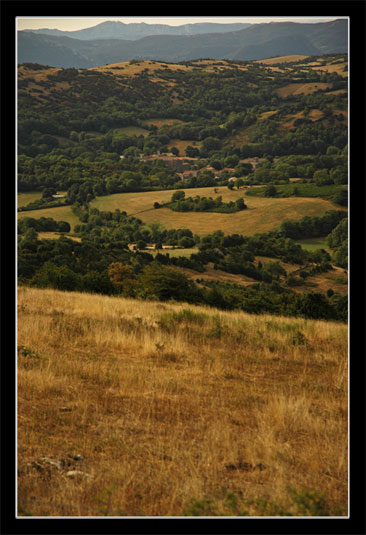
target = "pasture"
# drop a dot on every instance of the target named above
(263, 214)
(26, 198)
(59, 213)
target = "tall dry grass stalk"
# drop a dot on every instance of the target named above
(170, 405)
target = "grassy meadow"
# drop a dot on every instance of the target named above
(26, 198)
(131, 408)
(58, 213)
(263, 214)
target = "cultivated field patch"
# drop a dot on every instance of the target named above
(263, 214)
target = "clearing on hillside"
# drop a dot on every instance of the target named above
(263, 214)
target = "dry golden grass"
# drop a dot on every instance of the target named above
(337, 67)
(25, 198)
(37, 75)
(181, 145)
(301, 88)
(59, 213)
(166, 403)
(282, 59)
(125, 68)
(266, 114)
(315, 114)
(56, 235)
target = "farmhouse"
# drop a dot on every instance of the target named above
(186, 175)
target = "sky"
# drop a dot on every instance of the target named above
(78, 23)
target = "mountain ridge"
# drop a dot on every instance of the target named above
(255, 42)
(134, 31)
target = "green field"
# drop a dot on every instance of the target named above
(311, 244)
(304, 190)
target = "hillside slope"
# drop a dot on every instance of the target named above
(129, 408)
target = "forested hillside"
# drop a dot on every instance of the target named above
(147, 126)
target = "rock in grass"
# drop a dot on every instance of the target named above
(73, 474)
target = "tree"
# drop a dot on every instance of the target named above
(216, 164)
(339, 175)
(58, 277)
(186, 242)
(315, 306)
(231, 161)
(240, 204)
(120, 274)
(178, 196)
(192, 152)
(164, 283)
(270, 191)
(96, 282)
(48, 192)
(341, 197)
(209, 145)
(322, 178)
(339, 234)
(63, 226)
(275, 269)
(132, 152)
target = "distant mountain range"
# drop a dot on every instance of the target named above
(257, 41)
(134, 31)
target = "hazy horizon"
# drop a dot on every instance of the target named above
(80, 23)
